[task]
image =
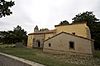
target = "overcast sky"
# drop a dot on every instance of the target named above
(46, 13)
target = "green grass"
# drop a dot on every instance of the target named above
(97, 53)
(6, 45)
(37, 55)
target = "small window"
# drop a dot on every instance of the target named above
(49, 44)
(73, 33)
(71, 45)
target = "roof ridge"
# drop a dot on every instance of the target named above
(43, 32)
(69, 34)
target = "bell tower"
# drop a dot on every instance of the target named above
(36, 29)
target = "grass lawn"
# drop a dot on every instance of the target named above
(97, 53)
(37, 55)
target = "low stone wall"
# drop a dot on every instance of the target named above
(75, 58)
(61, 52)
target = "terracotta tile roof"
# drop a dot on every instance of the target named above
(43, 32)
(69, 34)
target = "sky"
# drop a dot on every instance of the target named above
(46, 13)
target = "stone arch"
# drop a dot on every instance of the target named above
(38, 43)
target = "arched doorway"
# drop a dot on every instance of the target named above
(38, 43)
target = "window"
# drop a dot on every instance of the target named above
(71, 45)
(49, 44)
(73, 33)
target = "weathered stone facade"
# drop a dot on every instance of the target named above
(37, 39)
(69, 39)
(60, 44)
(80, 29)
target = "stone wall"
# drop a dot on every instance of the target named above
(49, 35)
(40, 38)
(60, 44)
(79, 29)
(30, 41)
(76, 59)
(82, 60)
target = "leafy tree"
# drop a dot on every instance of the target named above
(3, 35)
(44, 29)
(5, 7)
(85, 16)
(7, 37)
(20, 34)
(93, 24)
(65, 22)
(17, 35)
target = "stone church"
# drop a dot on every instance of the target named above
(72, 38)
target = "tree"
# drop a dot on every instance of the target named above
(7, 37)
(44, 29)
(65, 22)
(5, 8)
(93, 23)
(85, 16)
(20, 34)
(12, 37)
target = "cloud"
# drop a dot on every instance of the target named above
(19, 17)
(46, 13)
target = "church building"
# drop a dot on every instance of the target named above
(66, 38)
